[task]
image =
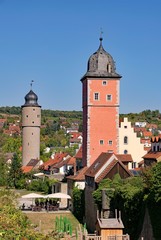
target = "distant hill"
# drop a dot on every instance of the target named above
(45, 112)
(144, 116)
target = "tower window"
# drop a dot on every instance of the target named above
(109, 68)
(109, 97)
(125, 126)
(96, 96)
(125, 151)
(32, 121)
(125, 140)
(110, 142)
(101, 142)
(33, 109)
(38, 116)
(104, 83)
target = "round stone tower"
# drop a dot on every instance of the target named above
(31, 121)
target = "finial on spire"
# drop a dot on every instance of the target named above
(101, 38)
(31, 83)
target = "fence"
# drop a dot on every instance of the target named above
(94, 237)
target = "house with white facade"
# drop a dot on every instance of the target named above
(129, 143)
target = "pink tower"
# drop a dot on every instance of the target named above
(100, 106)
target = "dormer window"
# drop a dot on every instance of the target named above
(109, 68)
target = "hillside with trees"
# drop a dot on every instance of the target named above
(149, 116)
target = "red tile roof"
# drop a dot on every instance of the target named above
(50, 162)
(68, 161)
(147, 134)
(26, 169)
(98, 163)
(57, 159)
(151, 125)
(71, 161)
(153, 155)
(106, 171)
(2, 120)
(106, 160)
(143, 140)
(124, 157)
(109, 168)
(139, 129)
(80, 176)
(79, 153)
(75, 134)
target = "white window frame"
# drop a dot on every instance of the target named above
(98, 96)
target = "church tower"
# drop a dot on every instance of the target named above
(31, 121)
(100, 106)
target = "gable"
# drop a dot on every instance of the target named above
(116, 167)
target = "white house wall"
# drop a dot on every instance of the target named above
(133, 146)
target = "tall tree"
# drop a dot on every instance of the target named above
(15, 173)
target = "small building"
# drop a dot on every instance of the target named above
(105, 166)
(109, 228)
(154, 155)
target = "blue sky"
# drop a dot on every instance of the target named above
(50, 41)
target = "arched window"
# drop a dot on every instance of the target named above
(125, 151)
(125, 140)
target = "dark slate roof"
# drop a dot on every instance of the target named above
(31, 99)
(98, 64)
(33, 162)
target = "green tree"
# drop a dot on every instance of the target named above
(78, 203)
(3, 171)
(155, 181)
(15, 172)
(12, 144)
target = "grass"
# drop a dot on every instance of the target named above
(46, 221)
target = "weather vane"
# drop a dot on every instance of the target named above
(101, 33)
(31, 83)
